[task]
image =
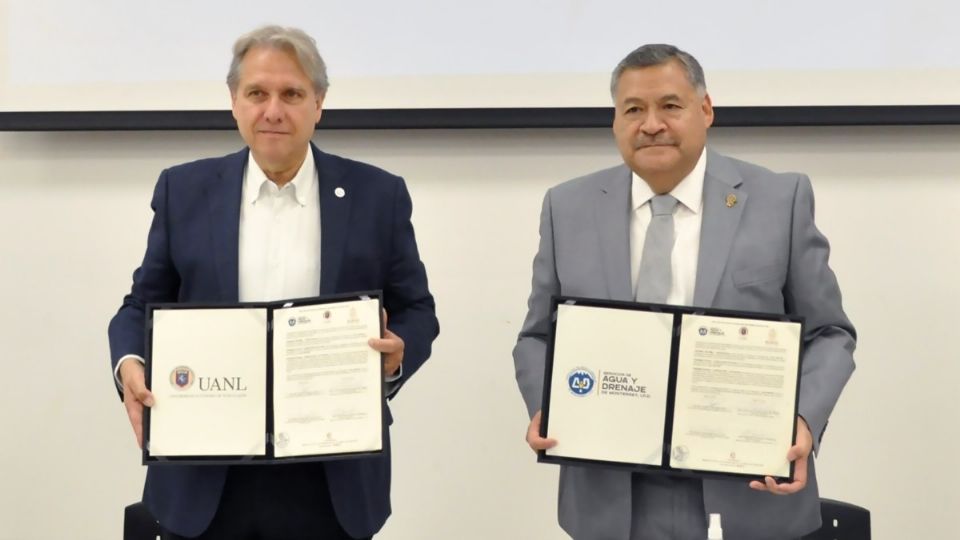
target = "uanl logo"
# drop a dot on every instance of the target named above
(182, 377)
(581, 381)
(292, 321)
(702, 330)
(221, 384)
(743, 331)
(326, 314)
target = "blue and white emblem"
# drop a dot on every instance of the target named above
(182, 377)
(581, 381)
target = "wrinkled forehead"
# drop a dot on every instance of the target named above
(655, 83)
(265, 61)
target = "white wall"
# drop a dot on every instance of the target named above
(60, 55)
(74, 212)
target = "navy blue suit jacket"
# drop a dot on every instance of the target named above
(367, 242)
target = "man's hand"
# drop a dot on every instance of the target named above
(799, 454)
(534, 439)
(135, 395)
(392, 348)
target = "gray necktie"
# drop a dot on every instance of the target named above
(654, 277)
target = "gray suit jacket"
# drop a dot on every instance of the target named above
(763, 254)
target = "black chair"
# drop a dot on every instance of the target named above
(842, 521)
(138, 523)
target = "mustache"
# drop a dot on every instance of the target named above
(643, 142)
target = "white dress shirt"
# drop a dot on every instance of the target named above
(687, 218)
(279, 238)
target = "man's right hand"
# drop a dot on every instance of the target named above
(135, 395)
(534, 439)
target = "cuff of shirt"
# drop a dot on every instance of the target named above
(116, 370)
(392, 382)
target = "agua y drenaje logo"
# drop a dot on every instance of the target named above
(581, 381)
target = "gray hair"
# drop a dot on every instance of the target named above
(292, 40)
(657, 54)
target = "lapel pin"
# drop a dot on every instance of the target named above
(340, 192)
(731, 200)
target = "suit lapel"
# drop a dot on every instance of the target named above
(334, 217)
(613, 225)
(723, 205)
(223, 199)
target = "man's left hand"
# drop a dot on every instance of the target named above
(799, 453)
(392, 348)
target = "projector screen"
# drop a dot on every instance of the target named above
(128, 55)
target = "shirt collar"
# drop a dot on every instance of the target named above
(301, 184)
(689, 191)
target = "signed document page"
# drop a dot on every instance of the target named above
(736, 395)
(608, 389)
(327, 380)
(208, 379)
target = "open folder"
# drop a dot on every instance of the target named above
(671, 389)
(293, 380)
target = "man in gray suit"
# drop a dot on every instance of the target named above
(742, 237)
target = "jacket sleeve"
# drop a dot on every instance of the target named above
(529, 354)
(410, 306)
(829, 339)
(156, 280)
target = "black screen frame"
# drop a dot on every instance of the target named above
(481, 118)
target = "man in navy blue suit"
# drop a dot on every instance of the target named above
(279, 219)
